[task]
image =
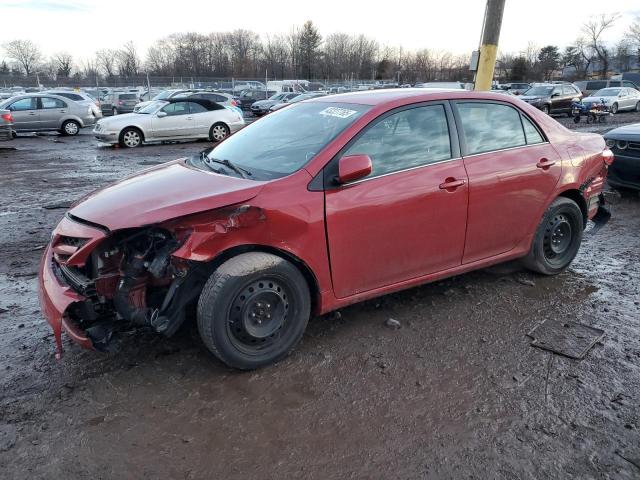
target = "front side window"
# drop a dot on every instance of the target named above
(48, 102)
(407, 139)
(23, 104)
(177, 108)
(490, 126)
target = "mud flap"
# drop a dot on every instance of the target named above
(600, 219)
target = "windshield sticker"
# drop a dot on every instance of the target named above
(337, 112)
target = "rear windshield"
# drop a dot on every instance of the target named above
(128, 96)
(288, 139)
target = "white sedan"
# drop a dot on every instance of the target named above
(616, 98)
(172, 119)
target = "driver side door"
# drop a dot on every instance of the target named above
(177, 121)
(25, 113)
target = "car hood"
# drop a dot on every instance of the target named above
(123, 119)
(627, 132)
(596, 99)
(140, 105)
(162, 193)
(264, 103)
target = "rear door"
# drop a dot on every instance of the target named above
(512, 172)
(177, 123)
(408, 217)
(51, 112)
(25, 113)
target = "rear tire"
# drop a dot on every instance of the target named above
(131, 138)
(638, 107)
(70, 128)
(557, 238)
(253, 310)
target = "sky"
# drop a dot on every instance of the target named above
(81, 27)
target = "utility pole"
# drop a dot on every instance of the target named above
(489, 44)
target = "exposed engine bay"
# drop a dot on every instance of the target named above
(131, 280)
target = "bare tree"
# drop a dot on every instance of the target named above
(25, 52)
(276, 55)
(593, 30)
(127, 60)
(63, 62)
(106, 62)
(634, 32)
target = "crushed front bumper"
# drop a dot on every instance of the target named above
(55, 298)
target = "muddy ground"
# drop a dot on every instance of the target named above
(456, 392)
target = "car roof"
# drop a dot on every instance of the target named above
(409, 95)
(208, 104)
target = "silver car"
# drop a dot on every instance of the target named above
(36, 112)
(616, 98)
(178, 118)
(164, 95)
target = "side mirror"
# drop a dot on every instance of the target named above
(161, 114)
(353, 167)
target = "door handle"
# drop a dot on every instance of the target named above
(32, 114)
(451, 184)
(545, 163)
(189, 118)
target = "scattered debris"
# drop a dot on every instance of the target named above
(633, 461)
(393, 323)
(569, 339)
(7, 437)
(56, 206)
(525, 281)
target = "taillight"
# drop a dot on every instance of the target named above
(120, 102)
(607, 156)
(7, 117)
(234, 103)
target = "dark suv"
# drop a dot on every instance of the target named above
(248, 97)
(552, 98)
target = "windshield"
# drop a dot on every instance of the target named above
(152, 107)
(539, 91)
(288, 139)
(607, 92)
(163, 95)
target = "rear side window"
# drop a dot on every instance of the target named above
(409, 138)
(177, 108)
(531, 132)
(196, 107)
(128, 96)
(490, 126)
(48, 102)
(70, 96)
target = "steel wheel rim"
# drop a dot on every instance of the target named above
(558, 237)
(219, 132)
(71, 128)
(258, 316)
(131, 139)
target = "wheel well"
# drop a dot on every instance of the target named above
(577, 197)
(307, 273)
(219, 123)
(131, 127)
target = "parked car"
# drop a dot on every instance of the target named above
(176, 118)
(320, 205)
(225, 99)
(82, 98)
(448, 85)
(624, 142)
(552, 98)
(299, 98)
(249, 97)
(516, 88)
(262, 107)
(164, 95)
(587, 87)
(34, 112)
(6, 126)
(115, 103)
(616, 99)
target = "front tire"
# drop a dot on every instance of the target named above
(638, 107)
(131, 138)
(253, 310)
(546, 109)
(218, 132)
(70, 128)
(114, 111)
(557, 238)
(614, 108)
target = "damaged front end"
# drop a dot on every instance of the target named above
(96, 284)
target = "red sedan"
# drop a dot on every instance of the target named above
(320, 205)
